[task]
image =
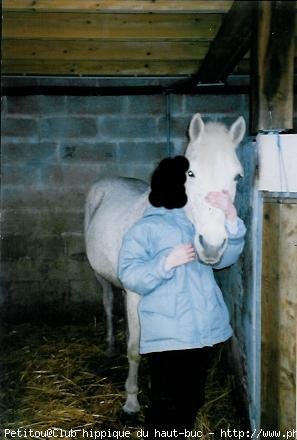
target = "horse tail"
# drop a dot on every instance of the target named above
(93, 202)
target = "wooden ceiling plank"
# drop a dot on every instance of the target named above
(59, 67)
(110, 26)
(103, 50)
(230, 45)
(119, 6)
(118, 68)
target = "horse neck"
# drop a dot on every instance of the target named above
(142, 203)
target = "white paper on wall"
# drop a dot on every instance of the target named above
(277, 162)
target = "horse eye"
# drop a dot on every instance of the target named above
(237, 177)
(191, 174)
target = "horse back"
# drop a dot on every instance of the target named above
(113, 205)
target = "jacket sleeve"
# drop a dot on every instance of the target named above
(137, 269)
(234, 246)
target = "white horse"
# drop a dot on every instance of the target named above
(115, 204)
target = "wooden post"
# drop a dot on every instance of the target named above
(230, 44)
(278, 315)
(272, 66)
(269, 318)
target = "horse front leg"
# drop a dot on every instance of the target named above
(132, 405)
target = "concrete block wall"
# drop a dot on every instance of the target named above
(53, 148)
(236, 283)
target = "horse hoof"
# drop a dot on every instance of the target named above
(131, 408)
(129, 418)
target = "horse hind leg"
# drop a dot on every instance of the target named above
(107, 296)
(131, 405)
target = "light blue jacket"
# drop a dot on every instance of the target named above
(181, 308)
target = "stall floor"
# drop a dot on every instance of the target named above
(59, 378)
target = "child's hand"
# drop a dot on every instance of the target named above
(223, 201)
(181, 254)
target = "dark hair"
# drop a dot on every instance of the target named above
(168, 183)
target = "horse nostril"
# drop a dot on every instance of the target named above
(201, 241)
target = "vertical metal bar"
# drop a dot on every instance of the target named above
(255, 409)
(168, 124)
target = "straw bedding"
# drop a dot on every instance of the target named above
(60, 377)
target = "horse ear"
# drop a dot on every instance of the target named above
(196, 127)
(237, 130)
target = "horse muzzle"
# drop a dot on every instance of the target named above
(209, 253)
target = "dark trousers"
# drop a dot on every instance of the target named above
(177, 388)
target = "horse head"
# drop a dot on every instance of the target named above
(214, 166)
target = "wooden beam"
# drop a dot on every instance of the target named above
(63, 25)
(273, 66)
(93, 67)
(107, 67)
(119, 6)
(103, 50)
(230, 44)
(86, 90)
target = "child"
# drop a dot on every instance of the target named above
(182, 312)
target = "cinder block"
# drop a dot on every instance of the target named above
(128, 128)
(71, 175)
(20, 221)
(14, 247)
(56, 223)
(24, 295)
(20, 128)
(52, 175)
(66, 127)
(4, 297)
(206, 104)
(113, 169)
(86, 292)
(52, 104)
(79, 270)
(162, 128)
(146, 104)
(20, 175)
(22, 269)
(93, 151)
(179, 146)
(46, 248)
(75, 246)
(63, 268)
(50, 198)
(56, 269)
(67, 197)
(179, 128)
(177, 105)
(28, 153)
(3, 106)
(29, 104)
(137, 170)
(96, 105)
(27, 301)
(35, 104)
(227, 120)
(141, 151)
(55, 292)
